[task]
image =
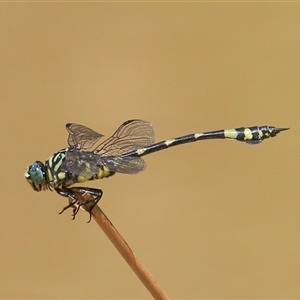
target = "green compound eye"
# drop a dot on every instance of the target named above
(35, 175)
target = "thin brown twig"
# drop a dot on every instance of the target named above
(117, 240)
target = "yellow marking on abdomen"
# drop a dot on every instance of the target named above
(261, 134)
(169, 142)
(103, 173)
(197, 135)
(230, 133)
(141, 151)
(248, 134)
(81, 179)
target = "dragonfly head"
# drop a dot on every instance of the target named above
(35, 176)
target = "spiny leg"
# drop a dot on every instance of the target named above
(77, 204)
(96, 196)
(68, 194)
(74, 203)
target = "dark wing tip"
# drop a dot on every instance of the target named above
(68, 125)
(134, 120)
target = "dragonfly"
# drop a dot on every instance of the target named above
(86, 158)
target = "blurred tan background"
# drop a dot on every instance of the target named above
(213, 219)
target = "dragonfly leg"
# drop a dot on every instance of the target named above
(76, 204)
(96, 196)
(73, 203)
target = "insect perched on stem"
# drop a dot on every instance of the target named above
(86, 159)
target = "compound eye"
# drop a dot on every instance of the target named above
(36, 172)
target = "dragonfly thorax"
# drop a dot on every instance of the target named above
(35, 176)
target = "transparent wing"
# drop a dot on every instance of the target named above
(87, 164)
(126, 165)
(81, 136)
(131, 135)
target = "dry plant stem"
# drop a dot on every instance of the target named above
(135, 264)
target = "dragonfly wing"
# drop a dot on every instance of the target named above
(81, 136)
(81, 163)
(131, 135)
(87, 164)
(126, 165)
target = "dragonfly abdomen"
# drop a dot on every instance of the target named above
(103, 172)
(250, 135)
